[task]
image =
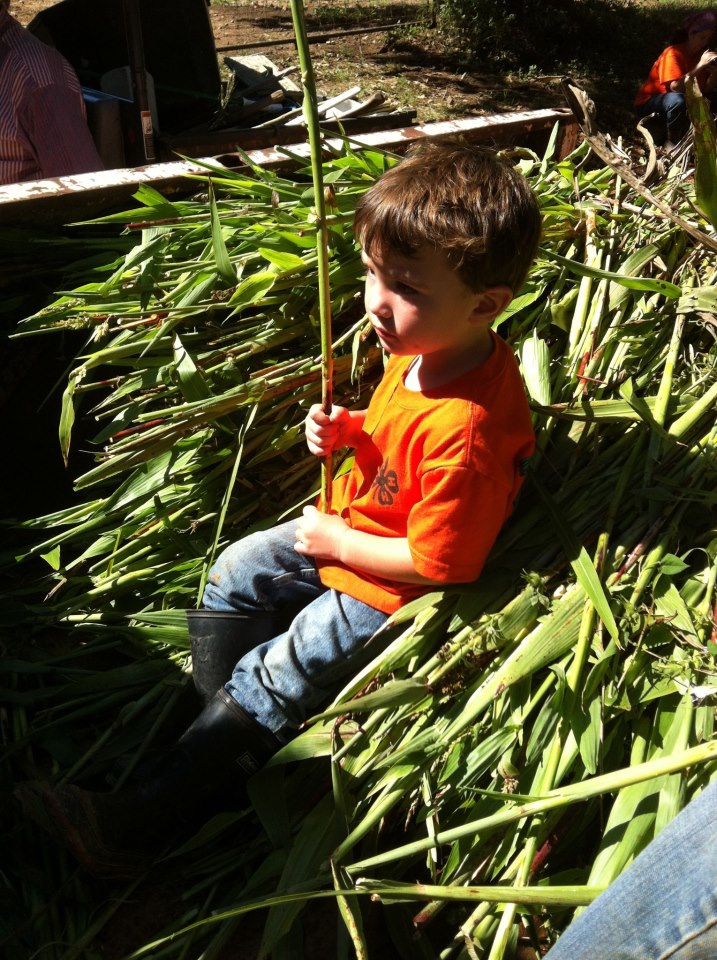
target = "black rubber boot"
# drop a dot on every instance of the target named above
(120, 834)
(219, 640)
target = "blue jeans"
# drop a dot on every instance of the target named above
(664, 904)
(672, 108)
(283, 681)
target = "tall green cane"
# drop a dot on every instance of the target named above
(311, 115)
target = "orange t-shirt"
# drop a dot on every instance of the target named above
(674, 62)
(441, 467)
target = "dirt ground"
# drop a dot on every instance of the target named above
(410, 67)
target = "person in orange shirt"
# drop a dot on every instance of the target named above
(688, 55)
(447, 238)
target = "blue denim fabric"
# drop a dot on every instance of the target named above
(673, 110)
(664, 905)
(283, 681)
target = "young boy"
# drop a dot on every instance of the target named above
(447, 237)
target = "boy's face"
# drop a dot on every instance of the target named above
(419, 306)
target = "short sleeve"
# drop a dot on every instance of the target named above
(671, 67)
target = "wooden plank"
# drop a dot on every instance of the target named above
(222, 142)
(71, 199)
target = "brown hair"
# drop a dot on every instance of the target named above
(462, 200)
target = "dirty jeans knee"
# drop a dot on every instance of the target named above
(664, 905)
(284, 681)
(262, 572)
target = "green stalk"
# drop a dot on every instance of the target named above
(311, 115)
(688, 420)
(554, 800)
(557, 748)
(528, 896)
(582, 307)
(664, 394)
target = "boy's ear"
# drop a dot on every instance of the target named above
(491, 302)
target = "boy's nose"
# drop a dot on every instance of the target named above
(376, 299)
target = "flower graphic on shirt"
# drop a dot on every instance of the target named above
(386, 484)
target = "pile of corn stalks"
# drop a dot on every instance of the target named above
(515, 743)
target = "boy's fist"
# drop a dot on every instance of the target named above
(326, 433)
(320, 534)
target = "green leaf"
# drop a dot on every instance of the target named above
(52, 557)
(581, 563)
(252, 290)
(485, 755)
(698, 298)
(191, 382)
(705, 138)
(395, 693)
(618, 779)
(153, 198)
(152, 241)
(285, 262)
(630, 822)
(587, 726)
(309, 850)
(631, 267)
(225, 268)
(671, 566)
(677, 738)
(643, 284)
(67, 415)
(669, 604)
(605, 410)
(550, 640)
(641, 408)
(350, 912)
(528, 296)
(246, 426)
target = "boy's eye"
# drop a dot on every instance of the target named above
(404, 289)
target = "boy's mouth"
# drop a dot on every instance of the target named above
(384, 334)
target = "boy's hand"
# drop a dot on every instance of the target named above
(328, 537)
(320, 534)
(324, 434)
(342, 428)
